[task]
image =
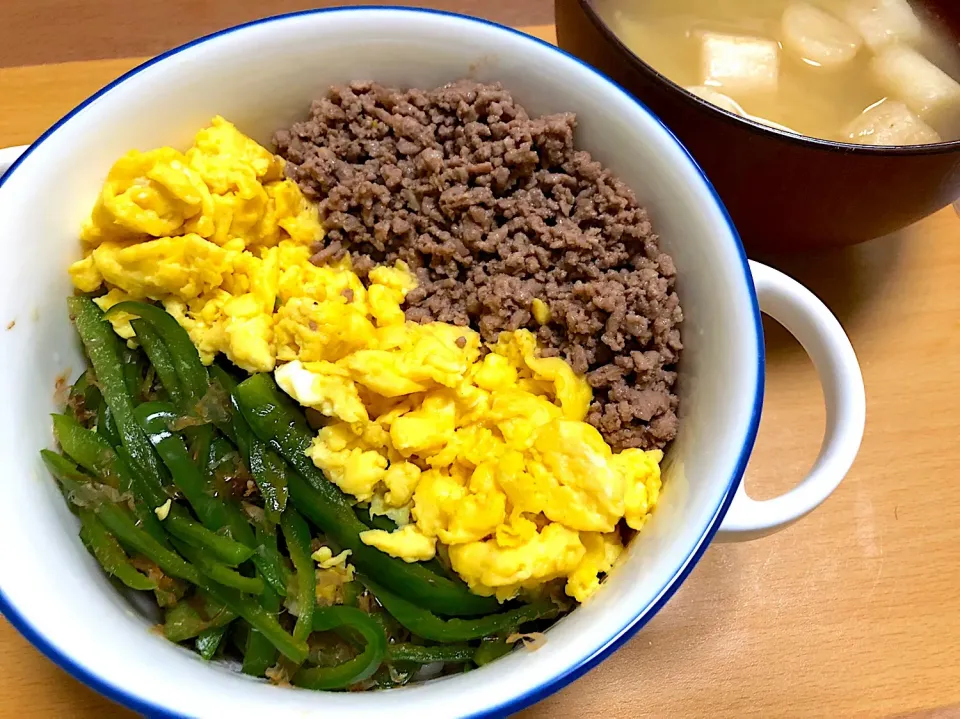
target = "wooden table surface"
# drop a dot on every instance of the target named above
(855, 611)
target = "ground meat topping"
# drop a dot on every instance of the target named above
(493, 208)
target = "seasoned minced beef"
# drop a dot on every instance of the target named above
(494, 208)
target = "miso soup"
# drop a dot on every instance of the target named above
(874, 72)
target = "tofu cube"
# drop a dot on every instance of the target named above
(739, 65)
(883, 22)
(926, 89)
(890, 123)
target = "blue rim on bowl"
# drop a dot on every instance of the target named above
(103, 685)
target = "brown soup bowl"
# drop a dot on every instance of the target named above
(785, 192)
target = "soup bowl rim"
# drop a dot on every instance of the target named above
(934, 148)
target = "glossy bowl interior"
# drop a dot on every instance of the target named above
(786, 193)
(263, 76)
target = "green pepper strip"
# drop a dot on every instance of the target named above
(220, 452)
(109, 553)
(268, 470)
(89, 450)
(430, 627)
(107, 426)
(132, 371)
(119, 521)
(227, 383)
(186, 360)
(269, 563)
(218, 375)
(179, 523)
(155, 419)
(200, 446)
(166, 367)
(272, 419)
(195, 534)
(449, 654)
(105, 350)
(354, 670)
(127, 531)
(160, 358)
(259, 654)
(183, 622)
(121, 524)
(296, 533)
(209, 640)
(491, 649)
(215, 514)
(260, 619)
(92, 452)
(218, 572)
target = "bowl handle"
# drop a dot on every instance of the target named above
(809, 320)
(9, 155)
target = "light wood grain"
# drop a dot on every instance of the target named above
(34, 97)
(854, 611)
(39, 32)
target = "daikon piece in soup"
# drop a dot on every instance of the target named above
(871, 72)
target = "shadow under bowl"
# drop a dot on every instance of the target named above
(786, 193)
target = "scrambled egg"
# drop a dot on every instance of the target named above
(484, 450)
(219, 237)
(487, 453)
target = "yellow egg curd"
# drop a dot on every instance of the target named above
(488, 454)
(221, 239)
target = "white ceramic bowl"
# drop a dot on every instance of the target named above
(262, 76)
